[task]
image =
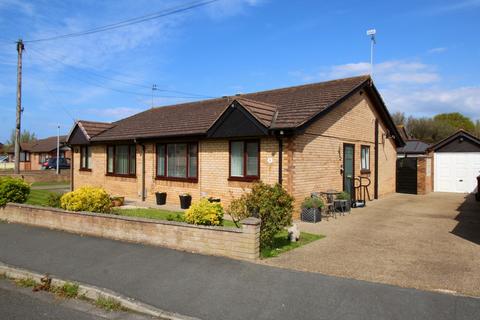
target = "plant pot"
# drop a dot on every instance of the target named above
(118, 201)
(211, 199)
(161, 197)
(311, 215)
(185, 201)
(342, 205)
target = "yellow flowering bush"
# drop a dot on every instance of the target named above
(89, 199)
(205, 212)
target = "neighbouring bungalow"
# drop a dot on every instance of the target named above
(34, 154)
(309, 138)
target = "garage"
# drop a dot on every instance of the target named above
(457, 163)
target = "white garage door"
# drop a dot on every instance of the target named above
(456, 171)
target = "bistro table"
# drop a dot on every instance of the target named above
(330, 205)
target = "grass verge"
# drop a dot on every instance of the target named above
(25, 282)
(68, 290)
(158, 214)
(108, 304)
(281, 243)
(39, 197)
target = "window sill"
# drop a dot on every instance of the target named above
(364, 171)
(85, 170)
(245, 179)
(121, 175)
(192, 180)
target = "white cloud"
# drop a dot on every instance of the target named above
(114, 113)
(456, 5)
(437, 50)
(22, 5)
(228, 8)
(394, 71)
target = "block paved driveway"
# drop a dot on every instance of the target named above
(429, 242)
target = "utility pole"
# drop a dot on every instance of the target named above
(20, 48)
(58, 149)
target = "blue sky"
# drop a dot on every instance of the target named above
(426, 58)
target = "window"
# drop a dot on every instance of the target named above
(24, 156)
(365, 153)
(177, 161)
(85, 158)
(244, 160)
(121, 160)
(42, 158)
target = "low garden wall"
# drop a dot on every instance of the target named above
(40, 175)
(242, 243)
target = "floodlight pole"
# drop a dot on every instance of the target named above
(371, 33)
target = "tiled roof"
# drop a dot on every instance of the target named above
(276, 109)
(413, 147)
(47, 144)
(93, 128)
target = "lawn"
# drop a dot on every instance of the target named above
(159, 215)
(51, 183)
(281, 243)
(39, 197)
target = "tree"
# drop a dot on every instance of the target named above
(399, 118)
(456, 120)
(25, 136)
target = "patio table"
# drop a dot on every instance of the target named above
(330, 194)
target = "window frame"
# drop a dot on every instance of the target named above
(123, 175)
(363, 169)
(84, 168)
(165, 162)
(245, 177)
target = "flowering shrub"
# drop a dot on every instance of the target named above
(89, 199)
(13, 190)
(205, 212)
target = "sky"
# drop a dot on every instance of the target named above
(426, 57)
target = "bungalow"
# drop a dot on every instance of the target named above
(308, 138)
(34, 154)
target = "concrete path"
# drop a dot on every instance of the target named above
(218, 288)
(429, 242)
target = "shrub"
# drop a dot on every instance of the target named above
(312, 202)
(54, 200)
(238, 209)
(68, 290)
(13, 190)
(343, 196)
(274, 206)
(205, 212)
(89, 199)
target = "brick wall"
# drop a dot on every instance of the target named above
(424, 175)
(318, 153)
(241, 243)
(213, 173)
(41, 176)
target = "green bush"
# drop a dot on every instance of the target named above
(238, 210)
(89, 199)
(54, 200)
(13, 190)
(312, 202)
(343, 196)
(205, 212)
(274, 206)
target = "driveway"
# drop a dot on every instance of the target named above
(429, 242)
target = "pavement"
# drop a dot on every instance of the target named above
(429, 242)
(21, 303)
(210, 287)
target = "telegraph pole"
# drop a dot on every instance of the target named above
(20, 48)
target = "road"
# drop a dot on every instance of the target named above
(212, 288)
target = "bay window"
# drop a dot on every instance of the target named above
(177, 161)
(365, 157)
(85, 158)
(244, 160)
(121, 160)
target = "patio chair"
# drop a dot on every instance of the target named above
(329, 205)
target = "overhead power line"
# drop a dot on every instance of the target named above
(183, 94)
(128, 22)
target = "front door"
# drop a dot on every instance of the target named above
(348, 167)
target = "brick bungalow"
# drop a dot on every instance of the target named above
(308, 138)
(33, 154)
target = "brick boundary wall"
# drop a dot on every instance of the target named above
(40, 175)
(242, 243)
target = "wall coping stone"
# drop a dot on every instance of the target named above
(125, 218)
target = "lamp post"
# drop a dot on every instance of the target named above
(371, 33)
(58, 149)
